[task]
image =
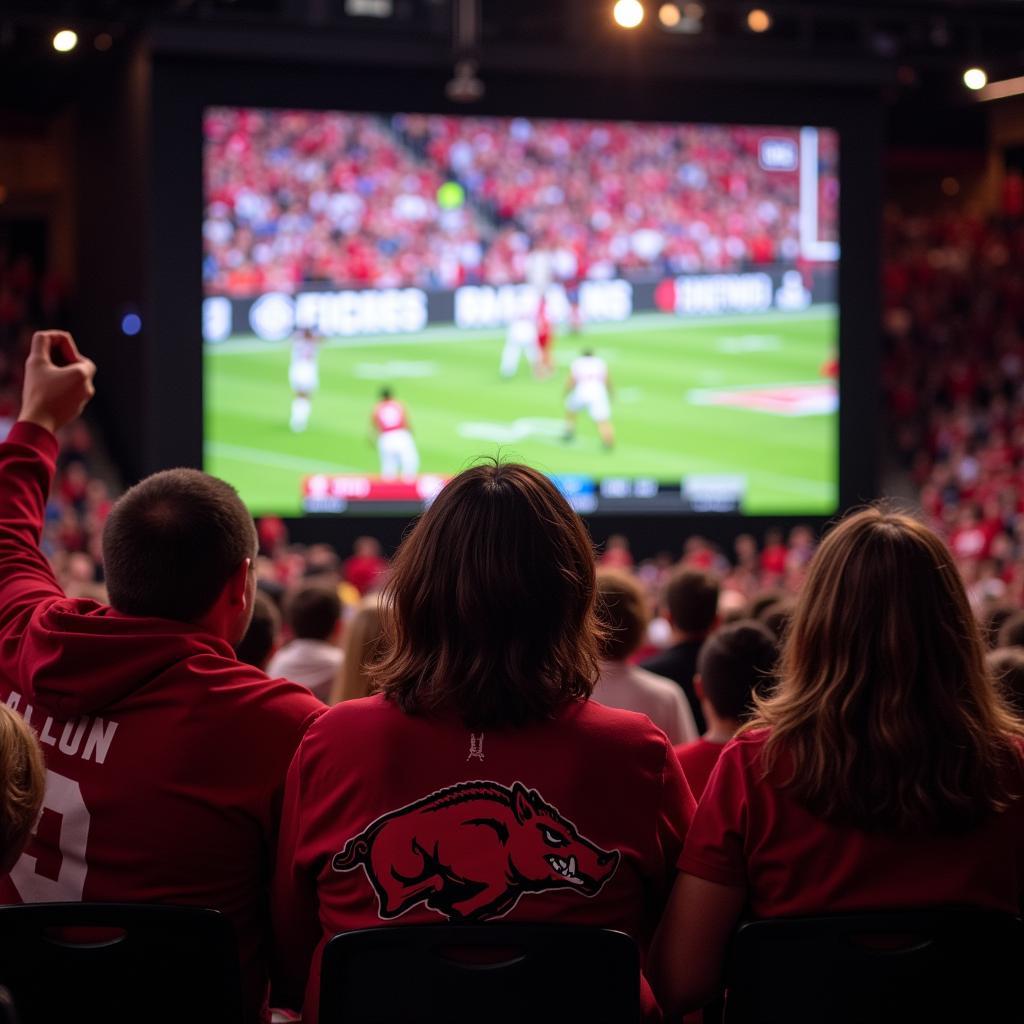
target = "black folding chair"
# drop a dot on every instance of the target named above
(904, 967)
(119, 963)
(470, 974)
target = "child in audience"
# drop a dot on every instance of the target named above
(623, 612)
(885, 771)
(22, 784)
(481, 783)
(735, 663)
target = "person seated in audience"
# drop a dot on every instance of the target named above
(313, 657)
(367, 566)
(622, 610)
(691, 607)
(1007, 667)
(481, 784)
(364, 644)
(736, 663)
(884, 772)
(22, 784)
(262, 637)
(166, 755)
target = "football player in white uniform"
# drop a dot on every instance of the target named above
(589, 390)
(304, 376)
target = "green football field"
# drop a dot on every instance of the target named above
(740, 395)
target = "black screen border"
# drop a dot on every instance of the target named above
(183, 87)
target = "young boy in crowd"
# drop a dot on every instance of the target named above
(736, 663)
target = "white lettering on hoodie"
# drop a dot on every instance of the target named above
(85, 737)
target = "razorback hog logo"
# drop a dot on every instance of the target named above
(471, 851)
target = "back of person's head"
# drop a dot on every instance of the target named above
(172, 542)
(1011, 632)
(691, 597)
(260, 640)
(22, 784)
(736, 663)
(313, 613)
(885, 710)
(778, 617)
(622, 610)
(490, 609)
(761, 602)
(364, 645)
(1007, 667)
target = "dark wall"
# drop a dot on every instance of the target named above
(113, 265)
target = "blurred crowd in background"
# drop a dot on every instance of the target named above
(437, 202)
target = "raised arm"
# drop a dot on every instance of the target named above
(58, 383)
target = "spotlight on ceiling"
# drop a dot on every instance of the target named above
(975, 78)
(669, 15)
(65, 40)
(628, 13)
(759, 20)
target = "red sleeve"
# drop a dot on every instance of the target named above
(28, 459)
(715, 843)
(675, 814)
(294, 903)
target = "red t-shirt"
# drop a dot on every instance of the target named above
(698, 760)
(749, 832)
(390, 415)
(579, 819)
(165, 756)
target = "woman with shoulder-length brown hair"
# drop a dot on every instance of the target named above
(480, 782)
(885, 771)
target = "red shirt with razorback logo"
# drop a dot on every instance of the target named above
(165, 756)
(748, 831)
(578, 819)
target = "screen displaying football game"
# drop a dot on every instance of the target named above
(647, 312)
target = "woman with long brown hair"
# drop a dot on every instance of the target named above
(884, 772)
(480, 782)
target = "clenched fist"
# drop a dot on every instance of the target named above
(58, 381)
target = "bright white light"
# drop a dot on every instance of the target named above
(628, 13)
(975, 78)
(65, 40)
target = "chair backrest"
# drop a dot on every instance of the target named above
(928, 965)
(465, 974)
(119, 963)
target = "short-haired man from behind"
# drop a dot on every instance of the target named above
(691, 603)
(165, 756)
(736, 664)
(312, 657)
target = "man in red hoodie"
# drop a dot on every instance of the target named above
(166, 756)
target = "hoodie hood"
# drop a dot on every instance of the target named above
(79, 657)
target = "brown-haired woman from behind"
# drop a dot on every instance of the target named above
(481, 783)
(884, 771)
(22, 784)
